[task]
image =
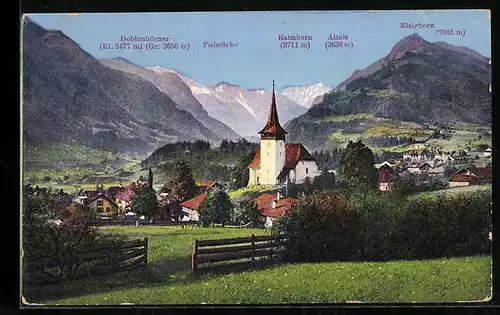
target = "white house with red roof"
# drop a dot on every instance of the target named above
(272, 207)
(277, 162)
(190, 208)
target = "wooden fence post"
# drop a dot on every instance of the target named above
(194, 257)
(145, 255)
(145, 250)
(252, 240)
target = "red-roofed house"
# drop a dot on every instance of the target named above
(276, 162)
(272, 207)
(471, 176)
(387, 177)
(190, 208)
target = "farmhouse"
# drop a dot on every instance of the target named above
(190, 208)
(276, 162)
(272, 207)
(386, 177)
(463, 180)
(103, 206)
(471, 176)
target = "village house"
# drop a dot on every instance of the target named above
(416, 155)
(103, 206)
(277, 162)
(272, 207)
(124, 196)
(458, 180)
(471, 176)
(191, 207)
(387, 177)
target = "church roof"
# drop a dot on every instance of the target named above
(273, 125)
(294, 152)
(256, 159)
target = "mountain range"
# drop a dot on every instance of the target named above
(68, 94)
(115, 104)
(244, 110)
(417, 81)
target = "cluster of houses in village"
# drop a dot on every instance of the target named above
(431, 164)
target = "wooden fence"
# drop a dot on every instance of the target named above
(212, 251)
(104, 260)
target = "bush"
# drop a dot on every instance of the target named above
(373, 226)
(320, 228)
(377, 215)
(445, 225)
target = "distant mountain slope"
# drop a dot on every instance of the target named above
(170, 83)
(68, 94)
(418, 81)
(245, 111)
(306, 95)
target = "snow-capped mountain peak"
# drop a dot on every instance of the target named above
(306, 95)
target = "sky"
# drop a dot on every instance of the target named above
(258, 59)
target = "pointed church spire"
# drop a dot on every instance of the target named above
(273, 126)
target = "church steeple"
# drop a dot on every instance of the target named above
(273, 127)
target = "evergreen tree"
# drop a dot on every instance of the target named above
(182, 183)
(356, 166)
(150, 179)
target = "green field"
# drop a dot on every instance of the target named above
(452, 190)
(169, 281)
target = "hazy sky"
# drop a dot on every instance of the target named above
(258, 59)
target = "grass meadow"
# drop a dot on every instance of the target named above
(168, 280)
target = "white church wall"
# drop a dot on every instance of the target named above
(305, 169)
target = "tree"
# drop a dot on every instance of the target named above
(217, 208)
(240, 173)
(54, 238)
(356, 166)
(325, 181)
(249, 213)
(144, 202)
(150, 179)
(182, 182)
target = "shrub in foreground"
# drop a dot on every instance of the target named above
(320, 228)
(369, 225)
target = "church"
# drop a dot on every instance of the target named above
(277, 162)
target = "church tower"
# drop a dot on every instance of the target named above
(272, 147)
